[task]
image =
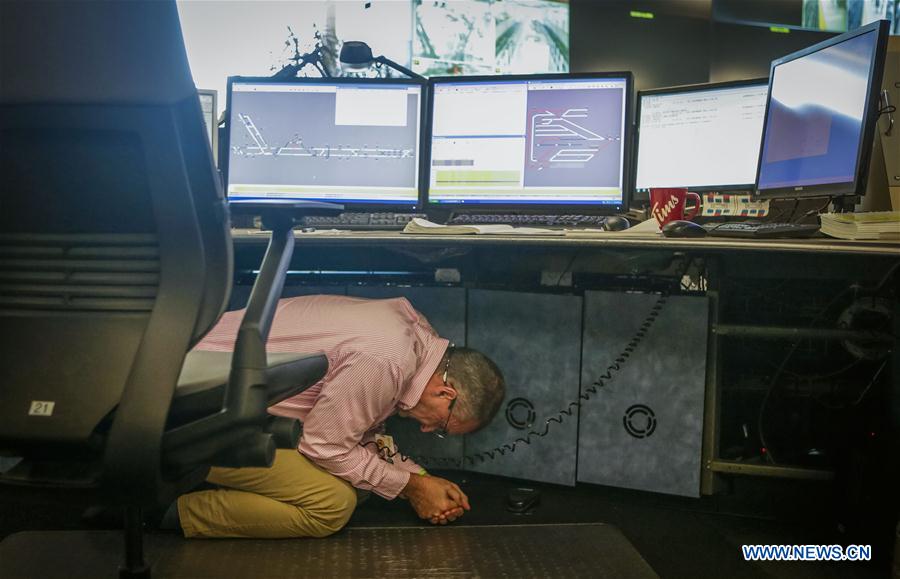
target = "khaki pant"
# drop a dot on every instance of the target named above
(293, 498)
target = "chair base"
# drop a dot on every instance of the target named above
(585, 550)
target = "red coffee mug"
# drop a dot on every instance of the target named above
(668, 204)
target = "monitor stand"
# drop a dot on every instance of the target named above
(877, 196)
(883, 187)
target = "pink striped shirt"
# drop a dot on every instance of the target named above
(381, 354)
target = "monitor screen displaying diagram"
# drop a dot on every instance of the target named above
(329, 141)
(529, 141)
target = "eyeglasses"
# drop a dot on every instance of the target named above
(442, 431)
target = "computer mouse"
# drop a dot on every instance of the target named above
(682, 228)
(522, 499)
(615, 223)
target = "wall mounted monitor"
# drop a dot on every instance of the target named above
(348, 140)
(208, 106)
(530, 142)
(704, 137)
(821, 114)
(490, 37)
(826, 15)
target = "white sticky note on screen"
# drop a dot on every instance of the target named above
(372, 107)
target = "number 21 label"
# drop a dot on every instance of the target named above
(41, 408)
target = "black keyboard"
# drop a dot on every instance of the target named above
(528, 220)
(756, 230)
(361, 221)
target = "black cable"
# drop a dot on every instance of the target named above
(820, 209)
(781, 367)
(811, 377)
(771, 294)
(762, 406)
(886, 277)
(790, 218)
(861, 395)
(888, 110)
(781, 214)
(774, 381)
(567, 268)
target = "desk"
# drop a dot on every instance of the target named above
(609, 240)
(519, 261)
(737, 275)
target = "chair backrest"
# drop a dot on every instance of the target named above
(115, 252)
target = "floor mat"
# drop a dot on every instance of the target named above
(578, 550)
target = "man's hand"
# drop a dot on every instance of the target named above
(447, 516)
(436, 499)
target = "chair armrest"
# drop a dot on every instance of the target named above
(250, 347)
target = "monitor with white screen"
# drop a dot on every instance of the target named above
(530, 142)
(345, 140)
(821, 114)
(208, 106)
(703, 137)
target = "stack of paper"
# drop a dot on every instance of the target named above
(872, 225)
(418, 225)
(648, 227)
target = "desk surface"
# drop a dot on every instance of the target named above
(608, 240)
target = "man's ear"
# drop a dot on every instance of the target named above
(437, 387)
(448, 391)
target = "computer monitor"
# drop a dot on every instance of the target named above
(821, 115)
(208, 106)
(557, 142)
(704, 137)
(354, 141)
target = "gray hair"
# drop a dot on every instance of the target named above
(479, 382)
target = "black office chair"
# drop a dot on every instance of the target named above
(115, 259)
